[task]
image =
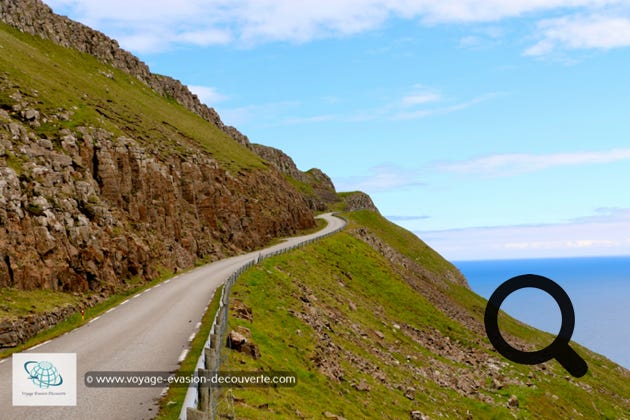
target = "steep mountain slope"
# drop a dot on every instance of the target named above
(36, 18)
(377, 325)
(108, 172)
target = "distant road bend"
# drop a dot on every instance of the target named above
(149, 332)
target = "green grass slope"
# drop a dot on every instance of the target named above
(59, 80)
(368, 340)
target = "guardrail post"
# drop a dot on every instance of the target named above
(203, 390)
(211, 358)
(215, 343)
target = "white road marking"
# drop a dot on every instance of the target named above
(39, 345)
(157, 285)
(166, 282)
(192, 336)
(110, 310)
(198, 325)
(3, 360)
(93, 319)
(183, 355)
(163, 393)
(125, 302)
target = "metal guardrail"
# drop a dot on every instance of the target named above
(201, 402)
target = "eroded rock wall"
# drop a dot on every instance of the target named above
(359, 200)
(322, 190)
(86, 210)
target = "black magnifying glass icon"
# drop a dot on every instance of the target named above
(559, 349)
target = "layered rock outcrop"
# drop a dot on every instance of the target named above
(319, 190)
(359, 200)
(88, 210)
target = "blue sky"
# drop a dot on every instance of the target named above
(492, 128)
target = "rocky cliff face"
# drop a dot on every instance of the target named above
(359, 201)
(36, 18)
(88, 210)
(319, 189)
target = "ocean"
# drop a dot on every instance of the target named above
(599, 288)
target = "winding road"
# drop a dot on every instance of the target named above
(149, 332)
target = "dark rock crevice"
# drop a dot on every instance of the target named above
(7, 261)
(95, 169)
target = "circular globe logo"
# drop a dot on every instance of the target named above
(43, 374)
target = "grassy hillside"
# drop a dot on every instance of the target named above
(61, 80)
(367, 339)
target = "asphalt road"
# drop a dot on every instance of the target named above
(149, 332)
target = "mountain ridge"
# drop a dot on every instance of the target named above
(36, 18)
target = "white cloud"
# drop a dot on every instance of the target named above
(409, 104)
(155, 41)
(310, 120)
(150, 25)
(420, 98)
(382, 178)
(568, 244)
(470, 41)
(414, 105)
(204, 37)
(145, 42)
(606, 233)
(265, 112)
(605, 215)
(428, 112)
(581, 32)
(401, 218)
(208, 95)
(483, 37)
(135, 11)
(516, 163)
(494, 10)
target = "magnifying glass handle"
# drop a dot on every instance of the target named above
(572, 362)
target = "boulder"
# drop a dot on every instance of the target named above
(235, 340)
